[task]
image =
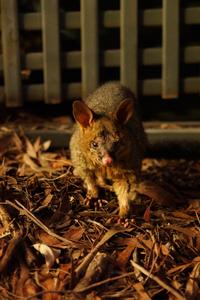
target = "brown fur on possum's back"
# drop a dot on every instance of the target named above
(128, 138)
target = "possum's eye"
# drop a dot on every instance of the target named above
(93, 144)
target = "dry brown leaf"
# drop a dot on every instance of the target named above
(29, 162)
(64, 270)
(52, 284)
(142, 294)
(192, 287)
(17, 141)
(182, 215)
(124, 255)
(30, 149)
(147, 214)
(108, 235)
(182, 267)
(189, 231)
(179, 268)
(30, 289)
(49, 239)
(165, 250)
(21, 288)
(74, 233)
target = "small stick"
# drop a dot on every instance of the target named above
(27, 213)
(159, 281)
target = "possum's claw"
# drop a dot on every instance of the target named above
(94, 202)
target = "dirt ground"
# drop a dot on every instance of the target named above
(54, 247)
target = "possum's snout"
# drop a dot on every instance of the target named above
(107, 160)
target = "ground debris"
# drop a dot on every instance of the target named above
(53, 247)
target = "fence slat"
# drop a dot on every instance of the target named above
(51, 48)
(89, 46)
(11, 53)
(170, 69)
(129, 44)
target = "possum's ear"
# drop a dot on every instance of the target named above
(82, 113)
(124, 111)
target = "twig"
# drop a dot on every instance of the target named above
(159, 281)
(101, 263)
(83, 266)
(105, 281)
(23, 210)
(198, 219)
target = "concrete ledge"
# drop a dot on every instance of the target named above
(169, 141)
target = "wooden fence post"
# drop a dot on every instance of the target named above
(11, 53)
(170, 57)
(51, 51)
(89, 46)
(129, 43)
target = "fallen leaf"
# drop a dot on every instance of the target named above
(52, 284)
(192, 287)
(142, 294)
(50, 254)
(30, 150)
(74, 233)
(124, 255)
(49, 240)
(182, 215)
(147, 214)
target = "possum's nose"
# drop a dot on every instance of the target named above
(107, 160)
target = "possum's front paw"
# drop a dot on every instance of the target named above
(93, 201)
(91, 197)
(124, 222)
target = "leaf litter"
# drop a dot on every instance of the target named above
(54, 247)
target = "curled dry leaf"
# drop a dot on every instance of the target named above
(50, 254)
(124, 255)
(192, 286)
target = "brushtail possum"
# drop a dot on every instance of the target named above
(108, 142)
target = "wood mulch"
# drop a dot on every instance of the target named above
(54, 247)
